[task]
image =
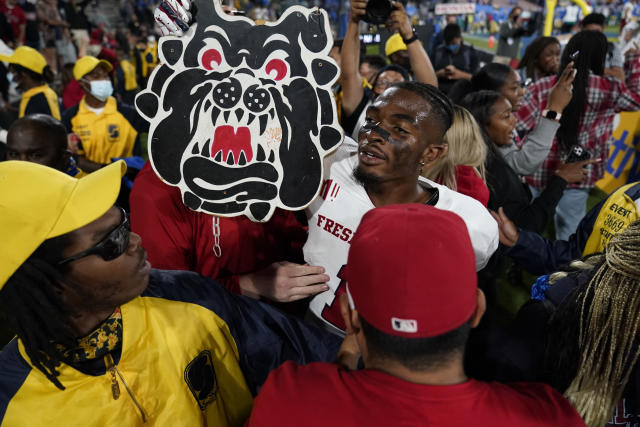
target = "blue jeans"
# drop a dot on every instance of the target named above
(569, 212)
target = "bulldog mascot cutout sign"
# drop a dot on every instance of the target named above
(242, 115)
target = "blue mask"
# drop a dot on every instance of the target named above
(453, 47)
(101, 89)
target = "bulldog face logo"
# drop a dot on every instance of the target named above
(242, 115)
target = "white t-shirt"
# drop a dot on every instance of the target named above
(336, 213)
(572, 14)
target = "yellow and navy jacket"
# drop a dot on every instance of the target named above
(612, 215)
(191, 354)
(113, 134)
(125, 77)
(39, 100)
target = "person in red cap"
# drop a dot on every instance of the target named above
(411, 301)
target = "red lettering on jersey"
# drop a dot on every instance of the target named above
(336, 229)
(328, 225)
(329, 189)
(346, 235)
(331, 312)
(320, 219)
(620, 416)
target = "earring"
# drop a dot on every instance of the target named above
(421, 166)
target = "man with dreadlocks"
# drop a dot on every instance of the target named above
(579, 333)
(103, 339)
(403, 132)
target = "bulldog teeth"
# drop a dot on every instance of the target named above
(260, 157)
(239, 113)
(226, 116)
(263, 123)
(215, 112)
(251, 118)
(205, 149)
(242, 160)
(272, 113)
(195, 151)
(271, 157)
(218, 157)
(230, 159)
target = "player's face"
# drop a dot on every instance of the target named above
(397, 136)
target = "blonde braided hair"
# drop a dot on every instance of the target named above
(609, 327)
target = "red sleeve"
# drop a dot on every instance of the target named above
(532, 104)
(158, 216)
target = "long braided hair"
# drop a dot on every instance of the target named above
(33, 309)
(605, 315)
(592, 47)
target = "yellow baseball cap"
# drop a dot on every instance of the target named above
(394, 44)
(39, 203)
(26, 57)
(87, 64)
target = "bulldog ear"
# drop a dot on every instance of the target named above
(170, 50)
(323, 71)
(147, 105)
(314, 35)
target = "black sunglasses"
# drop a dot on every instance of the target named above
(111, 247)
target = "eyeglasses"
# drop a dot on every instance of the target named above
(111, 247)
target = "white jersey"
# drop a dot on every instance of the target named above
(336, 213)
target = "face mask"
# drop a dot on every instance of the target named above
(101, 89)
(453, 47)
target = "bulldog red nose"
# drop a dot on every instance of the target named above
(231, 143)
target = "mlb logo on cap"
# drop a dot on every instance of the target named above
(411, 271)
(404, 325)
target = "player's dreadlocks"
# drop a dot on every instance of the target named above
(441, 106)
(35, 312)
(606, 312)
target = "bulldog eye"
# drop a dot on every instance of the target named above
(209, 57)
(280, 68)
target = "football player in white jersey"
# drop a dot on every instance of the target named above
(403, 132)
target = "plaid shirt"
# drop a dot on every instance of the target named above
(606, 96)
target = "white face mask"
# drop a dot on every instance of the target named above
(101, 89)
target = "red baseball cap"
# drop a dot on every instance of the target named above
(411, 271)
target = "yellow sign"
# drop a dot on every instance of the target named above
(623, 164)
